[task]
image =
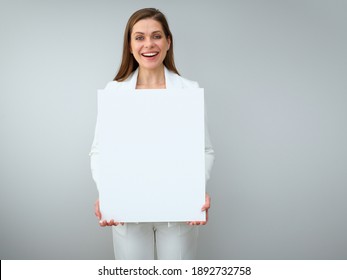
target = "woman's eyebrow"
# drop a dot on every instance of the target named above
(142, 33)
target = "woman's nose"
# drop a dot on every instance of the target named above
(149, 43)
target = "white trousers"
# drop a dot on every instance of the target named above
(177, 241)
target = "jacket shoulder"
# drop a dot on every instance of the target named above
(182, 82)
(128, 83)
(112, 85)
(189, 84)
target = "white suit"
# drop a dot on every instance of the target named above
(173, 240)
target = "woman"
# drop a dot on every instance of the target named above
(148, 63)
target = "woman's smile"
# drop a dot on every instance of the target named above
(151, 54)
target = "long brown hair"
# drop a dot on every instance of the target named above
(129, 64)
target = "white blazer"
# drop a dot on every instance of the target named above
(172, 81)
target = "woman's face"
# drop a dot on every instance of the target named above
(148, 44)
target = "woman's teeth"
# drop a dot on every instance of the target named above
(149, 54)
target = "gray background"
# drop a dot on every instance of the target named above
(274, 73)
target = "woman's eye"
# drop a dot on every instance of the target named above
(157, 36)
(139, 38)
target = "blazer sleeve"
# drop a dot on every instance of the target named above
(209, 152)
(95, 156)
(95, 149)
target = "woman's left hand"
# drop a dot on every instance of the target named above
(205, 207)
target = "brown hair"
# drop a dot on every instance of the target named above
(129, 64)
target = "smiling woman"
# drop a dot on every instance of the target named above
(149, 46)
(146, 25)
(148, 63)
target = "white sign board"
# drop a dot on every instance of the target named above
(152, 161)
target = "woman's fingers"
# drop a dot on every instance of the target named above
(104, 223)
(207, 204)
(205, 207)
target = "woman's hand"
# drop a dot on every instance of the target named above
(103, 223)
(205, 207)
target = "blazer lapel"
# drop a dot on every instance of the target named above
(172, 80)
(133, 80)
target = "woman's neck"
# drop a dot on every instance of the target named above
(151, 79)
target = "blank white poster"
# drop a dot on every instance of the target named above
(152, 161)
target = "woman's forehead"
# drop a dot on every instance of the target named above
(147, 26)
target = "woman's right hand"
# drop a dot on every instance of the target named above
(103, 223)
